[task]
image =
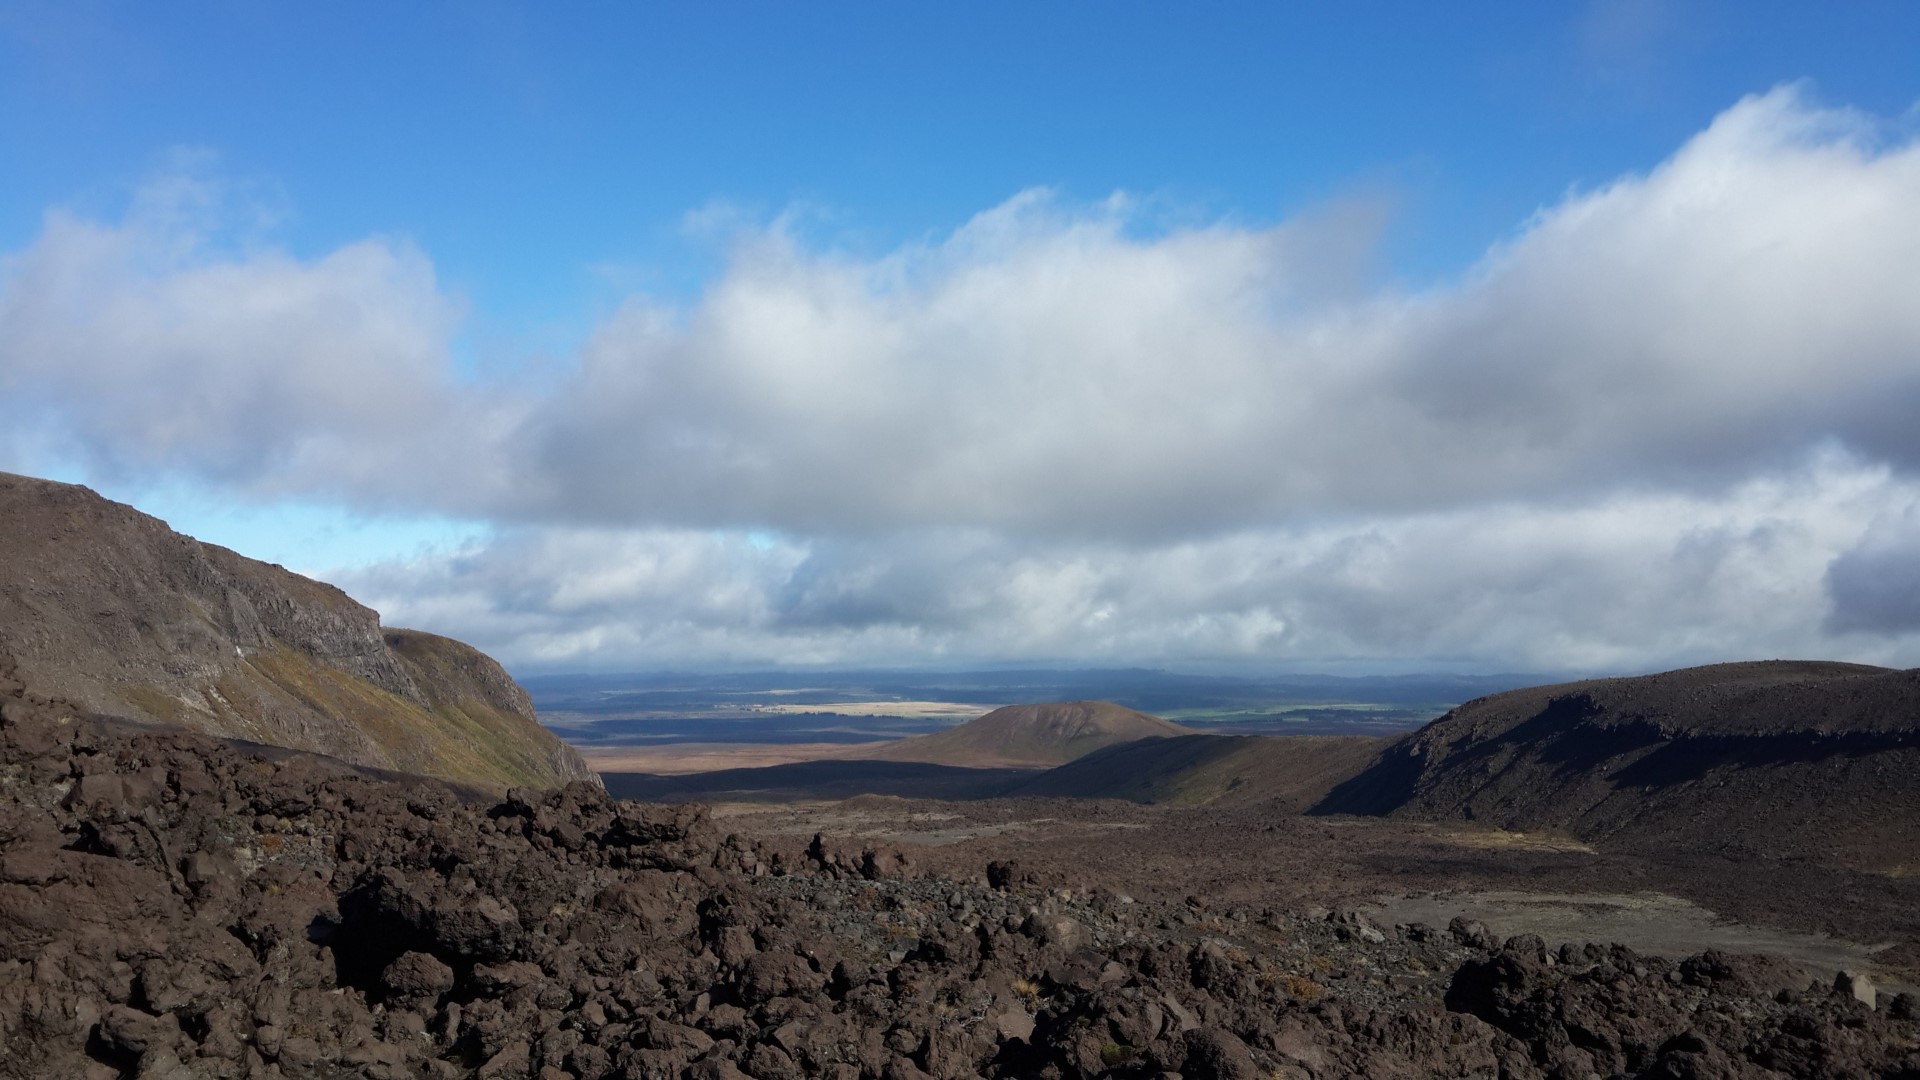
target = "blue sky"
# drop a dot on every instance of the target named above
(627, 277)
(548, 159)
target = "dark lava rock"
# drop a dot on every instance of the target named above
(171, 906)
(417, 974)
(1213, 1054)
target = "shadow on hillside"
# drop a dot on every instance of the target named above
(1567, 738)
(813, 780)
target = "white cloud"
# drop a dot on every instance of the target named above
(1047, 370)
(161, 347)
(1642, 428)
(1628, 582)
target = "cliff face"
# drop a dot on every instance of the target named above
(110, 609)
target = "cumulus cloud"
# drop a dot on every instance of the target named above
(170, 344)
(1048, 369)
(1665, 418)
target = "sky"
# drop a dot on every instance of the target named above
(1386, 337)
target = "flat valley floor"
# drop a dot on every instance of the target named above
(1818, 918)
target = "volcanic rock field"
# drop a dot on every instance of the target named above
(175, 906)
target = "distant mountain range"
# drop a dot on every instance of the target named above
(646, 709)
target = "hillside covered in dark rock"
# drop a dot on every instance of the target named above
(1775, 759)
(171, 907)
(108, 608)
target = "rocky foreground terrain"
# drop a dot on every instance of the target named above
(174, 906)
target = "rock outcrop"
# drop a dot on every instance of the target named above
(110, 609)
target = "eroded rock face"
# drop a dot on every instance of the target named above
(170, 906)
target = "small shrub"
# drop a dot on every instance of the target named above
(1301, 988)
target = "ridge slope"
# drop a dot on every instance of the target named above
(111, 609)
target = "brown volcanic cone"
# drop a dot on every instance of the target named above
(110, 609)
(1030, 736)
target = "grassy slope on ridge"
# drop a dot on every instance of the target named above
(109, 608)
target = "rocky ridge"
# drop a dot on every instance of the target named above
(111, 609)
(174, 906)
(1767, 760)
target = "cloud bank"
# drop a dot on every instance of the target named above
(1624, 583)
(1668, 419)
